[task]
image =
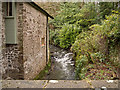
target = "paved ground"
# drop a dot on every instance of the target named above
(60, 84)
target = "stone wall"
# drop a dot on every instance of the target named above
(34, 41)
(27, 58)
(4, 66)
(1, 40)
(13, 53)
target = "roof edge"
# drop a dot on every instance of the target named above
(40, 9)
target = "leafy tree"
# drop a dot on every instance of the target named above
(67, 35)
(106, 8)
(71, 20)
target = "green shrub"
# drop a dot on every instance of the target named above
(81, 62)
(67, 35)
(54, 37)
(97, 57)
(88, 43)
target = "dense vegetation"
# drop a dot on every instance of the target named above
(91, 31)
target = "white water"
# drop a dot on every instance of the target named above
(63, 65)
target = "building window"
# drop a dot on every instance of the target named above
(43, 41)
(10, 23)
(9, 9)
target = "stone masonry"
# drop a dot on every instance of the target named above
(13, 53)
(33, 32)
(1, 40)
(27, 58)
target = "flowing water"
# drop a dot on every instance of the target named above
(62, 64)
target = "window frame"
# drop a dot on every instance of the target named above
(14, 39)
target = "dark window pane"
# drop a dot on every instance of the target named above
(9, 8)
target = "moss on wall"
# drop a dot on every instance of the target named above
(44, 72)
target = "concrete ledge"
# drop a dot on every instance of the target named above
(23, 83)
(60, 84)
(68, 84)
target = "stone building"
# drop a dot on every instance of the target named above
(24, 39)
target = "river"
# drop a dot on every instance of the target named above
(62, 67)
